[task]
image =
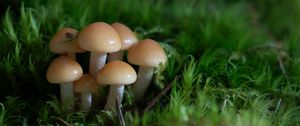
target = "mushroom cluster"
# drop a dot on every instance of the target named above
(106, 44)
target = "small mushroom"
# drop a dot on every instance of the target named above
(86, 85)
(64, 70)
(117, 74)
(147, 54)
(65, 42)
(128, 39)
(99, 38)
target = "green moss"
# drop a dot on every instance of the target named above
(229, 63)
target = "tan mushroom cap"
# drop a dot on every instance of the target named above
(63, 69)
(99, 37)
(86, 84)
(147, 53)
(128, 38)
(116, 73)
(64, 41)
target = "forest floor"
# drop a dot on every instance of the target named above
(233, 63)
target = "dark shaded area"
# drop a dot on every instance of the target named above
(14, 6)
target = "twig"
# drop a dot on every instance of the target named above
(61, 121)
(158, 97)
(119, 113)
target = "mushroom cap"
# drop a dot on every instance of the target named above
(86, 84)
(127, 36)
(116, 73)
(99, 37)
(63, 69)
(146, 53)
(64, 41)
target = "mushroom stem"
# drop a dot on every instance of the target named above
(114, 92)
(97, 61)
(143, 81)
(115, 56)
(67, 96)
(86, 101)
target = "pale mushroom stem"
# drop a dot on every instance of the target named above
(115, 56)
(67, 96)
(97, 61)
(143, 81)
(86, 101)
(114, 92)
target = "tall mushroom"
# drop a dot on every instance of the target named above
(86, 85)
(147, 54)
(65, 42)
(99, 38)
(128, 39)
(64, 70)
(117, 74)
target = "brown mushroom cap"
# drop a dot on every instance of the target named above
(127, 36)
(64, 41)
(99, 37)
(146, 53)
(86, 84)
(63, 69)
(116, 73)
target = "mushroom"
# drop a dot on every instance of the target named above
(86, 85)
(117, 74)
(64, 70)
(99, 38)
(65, 42)
(147, 54)
(128, 39)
